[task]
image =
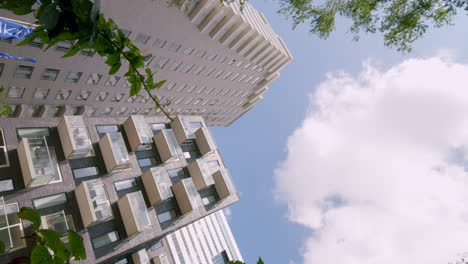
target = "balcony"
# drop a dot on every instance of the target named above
(134, 213)
(59, 222)
(138, 133)
(184, 128)
(167, 145)
(141, 257)
(186, 195)
(201, 171)
(74, 137)
(205, 141)
(38, 161)
(223, 183)
(93, 202)
(157, 185)
(114, 152)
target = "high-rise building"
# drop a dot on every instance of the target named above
(218, 61)
(123, 183)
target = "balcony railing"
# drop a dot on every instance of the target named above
(74, 137)
(201, 171)
(38, 164)
(93, 202)
(114, 152)
(138, 133)
(157, 185)
(205, 141)
(134, 213)
(184, 129)
(141, 257)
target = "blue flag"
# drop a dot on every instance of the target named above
(10, 30)
(8, 56)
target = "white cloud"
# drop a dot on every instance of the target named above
(376, 169)
(227, 213)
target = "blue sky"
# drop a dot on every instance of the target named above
(255, 144)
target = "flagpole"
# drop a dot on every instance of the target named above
(19, 22)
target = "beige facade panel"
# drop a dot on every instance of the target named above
(161, 259)
(74, 137)
(205, 141)
(186, 195)
(141, 257)
(157, 185)
(114, 152)
(134, 213)
(223, 183)
(166, 144)
(138, 133)
(93, 202)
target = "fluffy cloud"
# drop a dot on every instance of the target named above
(378, 169)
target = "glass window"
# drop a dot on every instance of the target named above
(157, 126)
(159, 43)
(166, 216)
(234, 76)
(132, 99)
(33, 132)
(59, 222)
(6, 185)
(50, 74)
(24, 72)
(63, 95)
(9, 41)
(142, 38)
(209, 199)
(101, 96)
(122, 110)
(134, 111)
(174, 47)
(2, 67)
(87, 52)
(241, 78)
(11, 230)
(161, 63)
(103, 129)
(15, 92)
(73, 77)
(175, 65)
(126, 32)
(86, 172)
(94, 78)
(125, 184)
(198, 70)
(187, 68)
(209, 71)
(146, 162)
(221, 258)
(211, 57)
(231, 61)
(117, 97)
(170, 85)
(105, 239)
(63, 46)
(188, 51)
(176, 172)
(145, 99)
(49, 201)
(84, 95)
(122, 261)
(41, 93)
(221, 59)
(156, 245)
(112, 81)
(200, 53)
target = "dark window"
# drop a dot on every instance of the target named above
(6, 185)
(103, 129)
(49, 201)
(157, 126)
(146, 162)
(86, 172)
(221, 258)
(33, 132)
(105, 239)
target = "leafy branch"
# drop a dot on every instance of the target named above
(81, 23)
(49, 245)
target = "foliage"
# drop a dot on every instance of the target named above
(80, 22)
(401, 21)
(49, 245)
(260, 261)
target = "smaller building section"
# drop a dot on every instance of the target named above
(138, 133)
(74, 137)
(157, 185)
(134, 213)
(93, 202)
(114, 152)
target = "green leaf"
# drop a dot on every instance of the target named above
(160, 83)
(26, 40)
(31, 216)
(77, 248)
(113, 58)
(2, 247)
(135, 88)
(49, 235)
(260, 261)
(72, 51)
(49, 17)
(41, 255)
(115, 68)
